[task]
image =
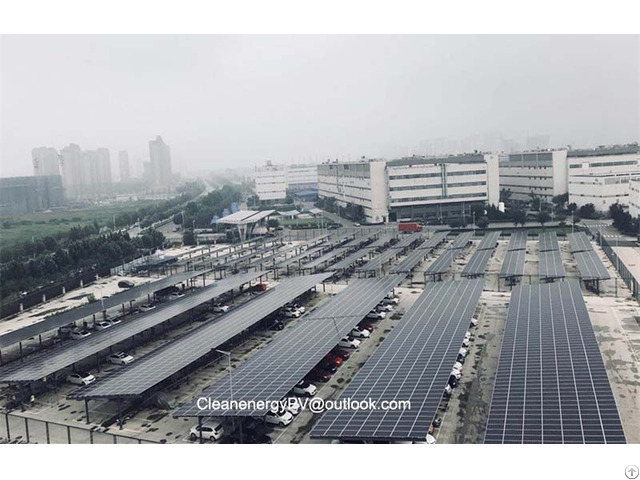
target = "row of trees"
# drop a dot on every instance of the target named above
(622, 220)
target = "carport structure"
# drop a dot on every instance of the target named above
(246, 220)
(272, 372)
(54, 322)
(198, 345)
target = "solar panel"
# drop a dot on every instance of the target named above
(579, 242)
(435, 240)
(376, 262)
(349, 261)
(462, 240)
(169, 359)
(551, 384)
(409, 240)
(383, 241)
(65, 318)
(299, 257)
(48, 362)
(489, 241)
(360, 240)
(324, 259)
(477, 264)
(547, 242)
(273, 371)
(590, 266)
(517, 241)
(412, 364)
(513, 264)
(443, 262)
(411, 261)
(550, 265)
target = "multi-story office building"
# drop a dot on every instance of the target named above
(123, 166)
(634, 198)
(302, 177)
(20, 195)
(271, 182)
(441, 188)
(45, 161)
(542, 174)
(601, 189)
(160, 162)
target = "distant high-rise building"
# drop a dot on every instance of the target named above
(74, 170)
(45, 161)
(123, 165)
(104, 166)
(160, 159)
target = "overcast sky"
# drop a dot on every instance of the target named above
(222, 101)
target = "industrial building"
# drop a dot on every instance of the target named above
(274, 182)
(20, 195)
(542, 174)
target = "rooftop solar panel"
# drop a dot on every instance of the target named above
(48, 362)
(579, 242)
(462, 240)
(513, 264)
(412, 364)
(54, 322)
(517, 241)
(273, 371)
(548, 241)
(159, 365)
(550, 265)
(590, 266)
(551, 384)
(477, 264)
(489, 241)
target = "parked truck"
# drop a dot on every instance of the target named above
(409, 227)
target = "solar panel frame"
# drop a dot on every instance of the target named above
(348, 261)
(432, 242)
(579, 242)
(517, 241)
(408, 240)
(551, 384)
(273, 371)
(376, 262)
(478, 263)
(462, 240)
(413, 258)
(150, 370)
(550, 265)
(413, 364)
(513, 264)
(548, 241)
(45, 363)
(489, 241)
(590, 266)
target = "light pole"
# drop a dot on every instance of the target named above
(473, 219)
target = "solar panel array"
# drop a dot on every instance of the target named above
(301, 256)
(489, 241)
(579, 242)
(349, 261)
(443, 262)
(513, 264)
(159, 365)
(550, 265)
(436, 239)
(408, 240)
(548, 241)
(412, 364)
(382, 241)
(376, 262)
(273, 371)
(324, 259)
(590, 266)
(61, 319)
(360, 240)
(410, 262)
(477, 264)
(517, 241)
(48, 362)
(462, 240)
(551, 384)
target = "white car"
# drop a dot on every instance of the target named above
(120, 358)
(79, 334)
(393, 300)
(113, 321)
(66, 329)
(456, 373)
(147, 307)
(282, 418)
(175, 295)
(292, 313)
(465, 343)
(468, 334)
(463, 352)
(360, 332)
(430, 440)
(220, 308)
(347, 342)
(292, 405)
(376, 315)
(381, 307)
(457, 366)
(296, 306)
(305, 389)
(474, 321)
(210, 431)
(102, 325)
(448, 390)
(80, 378)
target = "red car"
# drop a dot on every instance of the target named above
(333, 359)
(318, 375)
(343, 354)
(366, 326)
(259, 287)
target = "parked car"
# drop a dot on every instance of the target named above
(126, 284)
(357, 225)
(292, 313)
(366, 326)
(343, 354)
(292, 405)
(456, 373)
(296, 306)
(318, 375)
(390, 301)
(333, 359)
(281, 418)
(359, 332)
(175, 295)
(305, 389)
(114, 321)
(373, 315)
(80, 378)
(474, 321)
(327, 366)
(102, 325)
(384, 307)
(220, 308)
(448, 390)
(277, 325)
(259, 287)
(210, 431)
(120, 358)
(67, 329)
(80, 334)
(347, 342)
(147, 307)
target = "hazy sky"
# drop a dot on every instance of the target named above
(240, 100)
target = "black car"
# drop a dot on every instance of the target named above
(126, 284)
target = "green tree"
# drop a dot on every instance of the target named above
(482, 222)
(188, 237)
(543, 217)
(519, 217)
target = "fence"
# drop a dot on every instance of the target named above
(622, 269)
(19, 429)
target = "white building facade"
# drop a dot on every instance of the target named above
(634, 198)
(527, 174)
(302, 177)
(271, 182)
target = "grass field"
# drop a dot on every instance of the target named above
(39, 225)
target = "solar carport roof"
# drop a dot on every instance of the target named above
(349, 261)
(272, 372)
(551, 384)
(517, 241)
(579, 242)
(412, 364)
(61, 319)
(550, 265)
(435, 240)
(590, 266)
(462, 240)
(407, 240)
(513, 264)
(377, 261)
(547, 242)
(478, 263)
(489, 241)
(46, 363)
(159, 365)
